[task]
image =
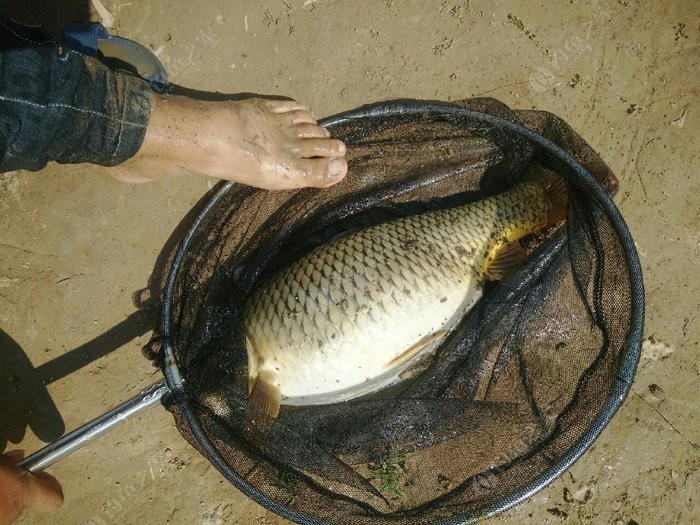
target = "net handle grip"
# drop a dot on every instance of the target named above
(81, 436)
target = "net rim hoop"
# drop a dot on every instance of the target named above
(428, 108)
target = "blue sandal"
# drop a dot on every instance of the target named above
(117, 52)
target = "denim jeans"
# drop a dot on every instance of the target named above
(56, 104)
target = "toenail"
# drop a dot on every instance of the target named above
(336, 167)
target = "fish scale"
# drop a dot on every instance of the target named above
(355, 315)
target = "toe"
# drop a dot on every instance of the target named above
(316, 147)
(299, 116)
(311, 131)
(285, 106)
(324, 172)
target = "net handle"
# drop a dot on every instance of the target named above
(78, 438)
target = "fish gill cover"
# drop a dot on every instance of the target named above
(514, 393)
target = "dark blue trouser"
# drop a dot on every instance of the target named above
(56, 104)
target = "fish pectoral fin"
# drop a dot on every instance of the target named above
(266, 395)
(503, 260)
(252, 361)
(415, 349)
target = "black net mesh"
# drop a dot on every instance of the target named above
(515, 393)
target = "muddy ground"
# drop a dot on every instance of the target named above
(76, 244)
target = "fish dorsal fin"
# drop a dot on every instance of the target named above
(503, 260)
(415, 349)
(554, 188)
(266, 395)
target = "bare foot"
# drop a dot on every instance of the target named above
(271, 144)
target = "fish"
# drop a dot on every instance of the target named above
(361, 312)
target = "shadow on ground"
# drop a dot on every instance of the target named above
(24, 399)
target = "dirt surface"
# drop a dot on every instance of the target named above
(76, 244)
